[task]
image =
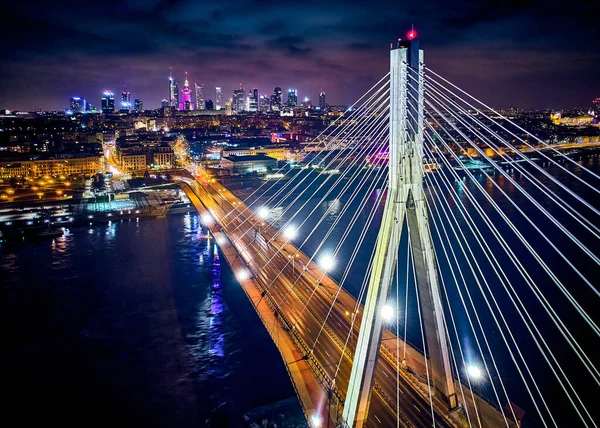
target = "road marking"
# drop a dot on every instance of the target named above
(339, 324)
(400, 390)
(376, 418)
(327, 354)
(308, 328)
(417, 408)
(386, 375)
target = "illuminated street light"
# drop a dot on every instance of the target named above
(220, 241)
(327, 263)
(206, 219)
(289, 233)
(474, 372)
(263, 212)
(316, 420)
(243, 275)
(387, 312)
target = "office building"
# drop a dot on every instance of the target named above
(276, 100)
(138, 105)
(259, 164)
(239, 100)
(125, 101)
(218, 98)
(165, 103)
(251, 104)
(173, 92)
(322, 101)
(292, 99)
(199, 90)
(77, 105)
(264, 103)
(108, 102)
(210, 105)
(228, 108)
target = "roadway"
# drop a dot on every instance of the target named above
(305, 301)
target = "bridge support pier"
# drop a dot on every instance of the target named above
(405, 198)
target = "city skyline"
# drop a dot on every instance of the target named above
(509, 56)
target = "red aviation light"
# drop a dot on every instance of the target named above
(411, 35)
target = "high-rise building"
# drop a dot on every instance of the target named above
(264, 103)
(186, 102)
(108, 102)
(276, 99)
(218, 98)
(138, 105)
(255, 94)
(199, 90)
(77, 104)
(596, 106)
(307, 103)
(239, 100)
(322, 101)
(165, 103)
(173, 92)
(251, 104)
(292, 99)
(125, 100)
(228, 109)
(210, 105)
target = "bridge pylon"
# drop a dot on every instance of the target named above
(405, 201)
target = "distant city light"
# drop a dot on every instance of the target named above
(387, 312)
(290, 233)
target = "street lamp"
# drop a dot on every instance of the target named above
(326, 262)
(263, 212)
(289, 233)
(474, 372)
(243, 275)
(316, 420)
(387, 312)
(206, 219)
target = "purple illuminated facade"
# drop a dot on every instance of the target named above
(186, 102)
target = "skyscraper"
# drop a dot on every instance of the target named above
(322, 102)
(255, 93)
(209, 105)
(77, 104)
(173, 92)
(251, 104)
(138, 105)
(292, 100)
(199, 90)
(276, 100)
(239, 100)
(165, 103)
(218, 98)
(125, 100)
(264, 103)
(186, 102)
(108, 102)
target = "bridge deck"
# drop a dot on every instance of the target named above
(294, 324)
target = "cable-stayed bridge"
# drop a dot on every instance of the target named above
(470, 247)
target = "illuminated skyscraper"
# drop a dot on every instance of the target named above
(276, 100)
(264, 103)
(165, 103)
(292, 100)
(138, 105)
(218, 98)
(186, 102)
(108, 102)
(125, 101)
(322, 102)
(199, 89)
(77, 104)
(239, 100)
(173, 92)
(228, 108)
(251, 104)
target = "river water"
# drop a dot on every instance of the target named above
(137, 323)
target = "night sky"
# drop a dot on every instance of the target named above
(529, 54)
